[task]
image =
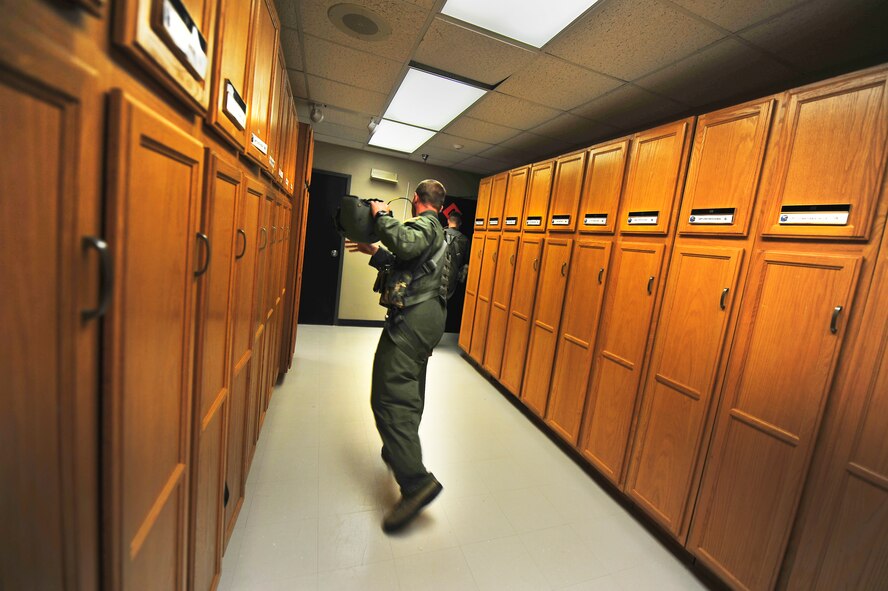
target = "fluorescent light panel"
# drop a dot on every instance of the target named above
(399, 137)
(529, 21)
(431, 101)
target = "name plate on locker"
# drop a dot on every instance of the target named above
(595, 219)
(644, 218)
(235, 107)
(534, 220)
(259, 144)
(714, 216)
(815, 215)
(186, 37)
(271, 161)
(479, 222)
(511, 221)
(560, 220)
(493, 222)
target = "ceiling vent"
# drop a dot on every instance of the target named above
(358, 22)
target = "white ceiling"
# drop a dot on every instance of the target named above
(623, 66)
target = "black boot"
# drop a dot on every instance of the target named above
(409, 506)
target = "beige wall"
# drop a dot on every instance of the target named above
(356, 298)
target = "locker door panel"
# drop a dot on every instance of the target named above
(515, 196)
(539, 189)
(467, 322)
(485, 294)
(497, 201)
(520, 311)
(263, 56)
(603, 184)
(566, 189)
(483, 205)
(499, 310)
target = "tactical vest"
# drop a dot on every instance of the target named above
(408, 283)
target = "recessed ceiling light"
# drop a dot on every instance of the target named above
(528, 21)
(430, 100)
(399, 137)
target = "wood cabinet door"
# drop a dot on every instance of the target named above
(51, 117)
(524, 289)
(790, 334)
(680, 384)
(537, 205)
(483, 204)
(497, 201)
(230, 104)
(154, 183)
(620, 355)
(264, 67)
(467, 322)
(726, 163)
(566, 189)
(516, 192)
(174, 41)
(499, 309)
(545, 324)
(825, 178)
(485, 294)
(576, 340)
(655, 178)
(602, 187)
(275, 111)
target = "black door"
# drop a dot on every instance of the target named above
(322, 264)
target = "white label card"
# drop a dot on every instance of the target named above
(511, 221)
(260, 145)
(235, 106)
(186, 37)
(479, 222)
(561, 220)
(595, 220)
(493, 222)
(821, 218)
(534, 221)
(643, 220)
(712, 219)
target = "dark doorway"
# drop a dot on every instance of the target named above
(322, 264)
(466, 207)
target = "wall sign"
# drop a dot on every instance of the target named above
(186, 37)
(235, 107)
(720, 215)
(643, 218)
(534, 220)
(512, 221)
(815, 215)
(560, 220)
(595, 219)
(493, 222)
(259, 144)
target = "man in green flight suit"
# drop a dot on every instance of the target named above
(415, 268)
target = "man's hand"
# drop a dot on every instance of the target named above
(377, 206)
(353, 246)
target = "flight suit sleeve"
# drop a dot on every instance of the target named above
(406, 240)
(382, 258)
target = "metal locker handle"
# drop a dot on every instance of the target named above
(495, 252)
(600, 274)
(563, 269)
(203, 237)
(833, 324)
(536, 264)
(724, 296)
(650, 285)
(512, 260)
(242, 234)
(107, 276)
(264, 233)
(274, 234)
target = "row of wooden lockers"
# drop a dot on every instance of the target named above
(691, 364)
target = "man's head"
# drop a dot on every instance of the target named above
(429, 195)
(454, 220)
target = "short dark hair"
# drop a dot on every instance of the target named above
(456, 217)
(431, 192)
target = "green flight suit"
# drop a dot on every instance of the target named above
(399, 367)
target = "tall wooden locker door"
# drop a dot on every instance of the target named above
(483, 204)
(263, 57)
(791, 329)
(513, 209)
(545, 324)
(467, 322)
(230, 101)
(499, 309)
(602, 187)
(50, 310)
(524, 289)
(538, 192)
(154, 191)
(694, 319)
(222, 189)
(257, 382)
(485, 294)
(275, 109)
(497, 201)
(619, 356)
(576, 340)
(173, 40)
(566, 190)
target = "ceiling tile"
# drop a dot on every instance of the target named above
(438, 156)
(481, 131)
(506, 154)
(556, 83)
(340, 95)
(350, 66)
(510, 111)
(733, 15)
(728, 69)
(630, 38)
(481, 164)
(292, 49)
(446, 141)
(329, 129)
(347, 119)
(629, 108)
(574, 129)
(825, 34)
(326, 139)
(405, 19)
(537, 146)
(297, 83)
(288, 12)
(464, 52)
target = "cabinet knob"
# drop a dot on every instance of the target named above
(600, 275)
(242, 234)
(833, 323)
(650, 285)
(107, 276)
(334, 253)
(203, 238)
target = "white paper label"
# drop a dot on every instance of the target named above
(271, 161)
(186, 38)
(534, 222)
(511, 221)
(591, 220)
(233, 106)
(821, 218)
(561, 221)
(643, 220)
(493, 222)
(280, 173)
(479, 222)
(260, 145)
(712, 219)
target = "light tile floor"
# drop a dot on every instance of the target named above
(516, 512)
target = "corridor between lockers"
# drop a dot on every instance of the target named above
(516, 511)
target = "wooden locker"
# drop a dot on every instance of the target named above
(230, 101)
(467, 322)
(483, 204)
(726, 165)
(173, 41)
(603, 184)
(292, 151)
(497, 201)
(694, 320)
(263, 57)
(576, 339)
(566, 189)
(513, 209)
(499, 309)
(154, 184)
(484, 295)
(619, 356)
(829, 159)
(790, 334)
(655, 178)
(524, 290)
(50, 304)
(539, 189)
(275, 111)
(545, 324)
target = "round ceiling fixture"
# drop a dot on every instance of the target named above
(358, 22)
